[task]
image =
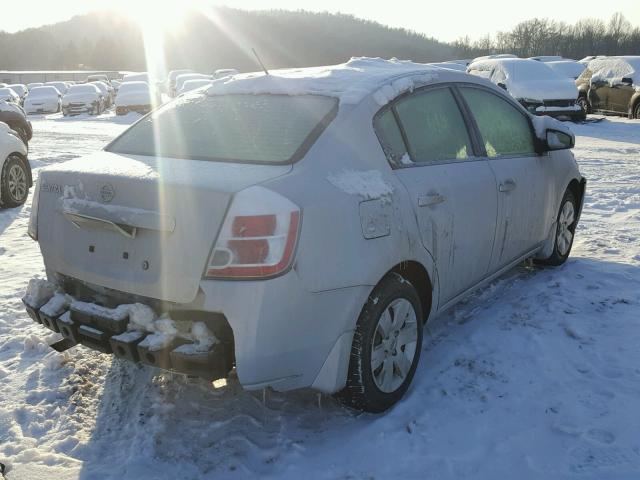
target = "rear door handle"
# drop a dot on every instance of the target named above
(507, 186)
(430, 199)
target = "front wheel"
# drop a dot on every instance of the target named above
(583, 103)
(567, 221)
(13, 182)
(386, 347)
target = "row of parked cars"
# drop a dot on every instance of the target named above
(560, 87)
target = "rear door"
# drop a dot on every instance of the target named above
(524, 178)
(453, 192)
(619, 98)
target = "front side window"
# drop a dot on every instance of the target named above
(504, 129)
(262, 129)
(434, 127)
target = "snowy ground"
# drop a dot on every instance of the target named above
(537, 376)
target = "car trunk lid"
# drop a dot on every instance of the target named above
(142, 225)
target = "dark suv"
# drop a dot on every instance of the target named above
(611, 85)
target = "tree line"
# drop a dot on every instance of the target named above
(541, 36)
(109, 41)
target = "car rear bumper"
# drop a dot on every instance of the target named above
(142, 109)
(275, 333)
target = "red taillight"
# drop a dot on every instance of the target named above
(256, 245)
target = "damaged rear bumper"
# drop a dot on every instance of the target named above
(104, 330)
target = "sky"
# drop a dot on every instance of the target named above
(447, 21)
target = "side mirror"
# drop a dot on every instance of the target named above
(627, 81)
(502, 85)
(557, 140)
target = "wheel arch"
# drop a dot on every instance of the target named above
(418, 275)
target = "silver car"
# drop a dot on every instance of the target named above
(301, 227)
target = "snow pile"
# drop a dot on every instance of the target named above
(402, 85)
(164, 332)
(202, 338)
(39, 291)
(369, 184)
(612, 70)
(349, 82)
(56, 305)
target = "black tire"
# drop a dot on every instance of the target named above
(584, 105)
(636, 110)
(362, 391)
(560, 251)
(13, 195)
(22, 133)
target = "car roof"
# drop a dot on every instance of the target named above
(350, 82)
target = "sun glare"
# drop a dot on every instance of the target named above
(160, 17)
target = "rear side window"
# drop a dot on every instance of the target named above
(504, 129)
(434, 127)
(391, 138)
(269, 129)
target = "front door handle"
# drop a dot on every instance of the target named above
(507, 186)
(430, 199)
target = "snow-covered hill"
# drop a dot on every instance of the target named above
(536, 376)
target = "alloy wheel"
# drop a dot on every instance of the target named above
(17, 183)
(565, 224)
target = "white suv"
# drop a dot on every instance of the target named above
(301, 226)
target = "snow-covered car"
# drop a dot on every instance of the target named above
(14, 115)
(20, 89)
(171, 80)
(99, 77)
(82, 98)
(45, 99)
(107, 92)
(185, 77)
(611, 85)
(33, 85)
(15, 171)
(225, 72)
(567, 68)
(301, 226)
(190, 85)
(548, 58)
(493, 57)
(62, 87)
(134, 97)
(451, 66)
(539, 89)
(136, 77)
(9, 95)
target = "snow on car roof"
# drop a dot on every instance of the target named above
(517, 68)
(615, 67)
(350, 82)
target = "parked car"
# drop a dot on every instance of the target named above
(225, 72)
(13, 115)
(190, 85)
(451, 66)
(20, 89)
(493, 57)
(107, 92)
(9, 95)
(534, 84)
(82, 98)
(136, 77)
(189, 76)
(229, 210)
(62, 87)
(611, 85)
(171, 80)
(45, 99)
(100, 77)
(134, 97)
(33, 85)
(548, 58)
(567, 68)
(15, 171)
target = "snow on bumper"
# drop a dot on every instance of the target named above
(280, 335)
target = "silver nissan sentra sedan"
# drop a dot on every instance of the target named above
(301, 226)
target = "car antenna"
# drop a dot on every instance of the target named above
(260, 61)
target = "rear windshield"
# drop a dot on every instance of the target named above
(268, 129)
(87, 88)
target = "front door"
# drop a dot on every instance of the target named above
(521, 174)
(453, 191)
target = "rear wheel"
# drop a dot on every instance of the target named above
(386, 347)
(14, 181)
(565, 230)
(636, 110)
